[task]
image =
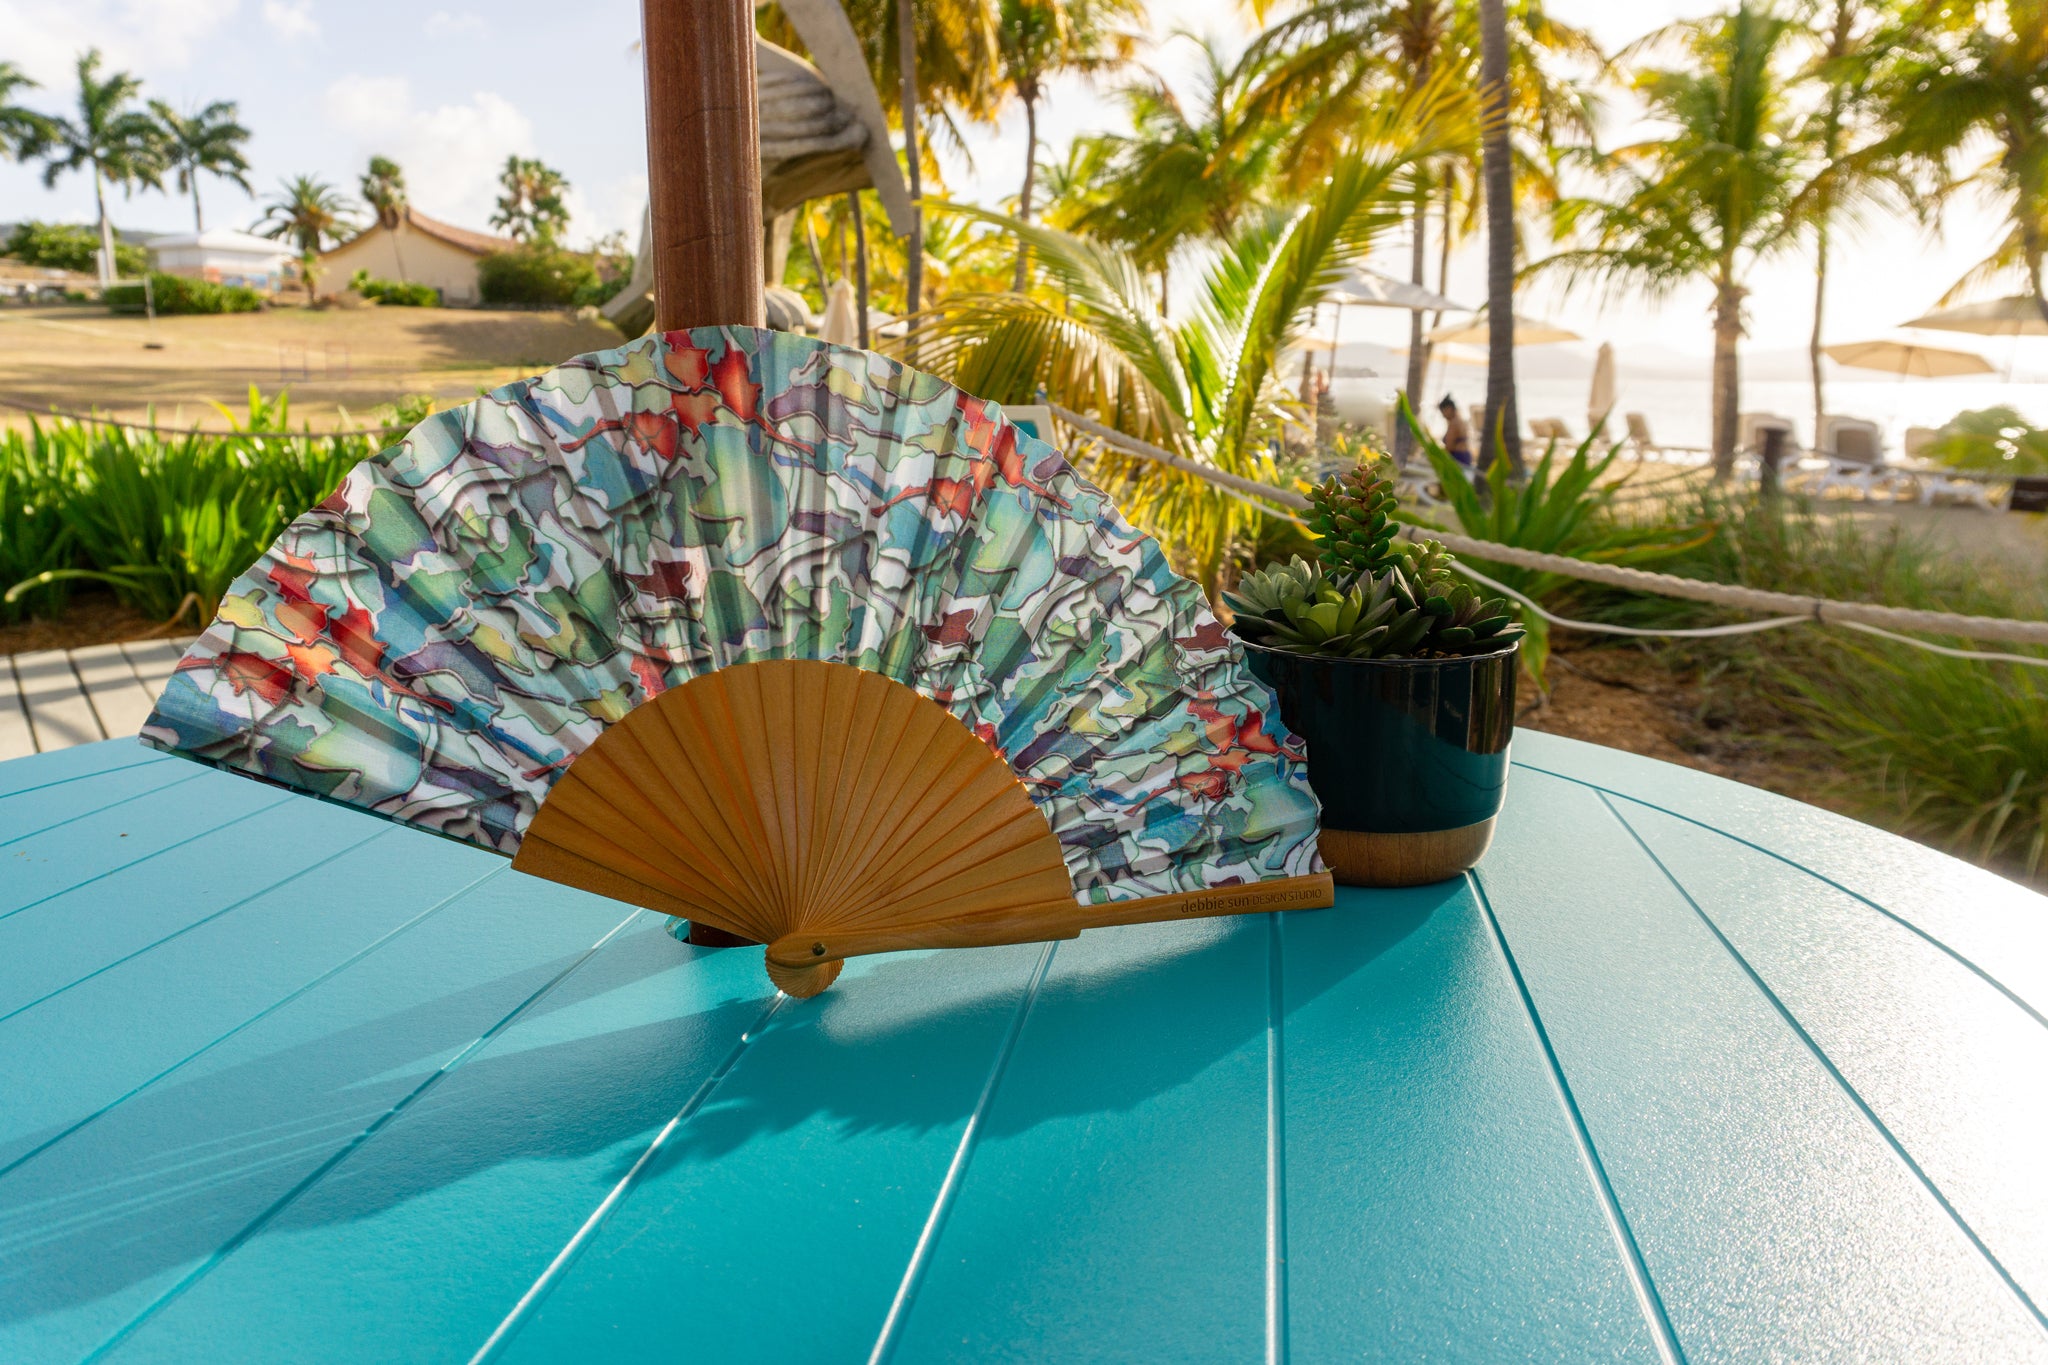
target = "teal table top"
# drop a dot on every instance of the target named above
(1684, 1071)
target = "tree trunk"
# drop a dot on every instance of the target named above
(198, 214)
(913, 275)
(1820, 299)
(1030, 94)
(99, 194)
(2035, 252)
(860, 266)
(1727, 374)
(1443, 272)
(1502, 414)
(1404, 439)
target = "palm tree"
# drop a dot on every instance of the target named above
(383, 187)
(1706, 201)
(937, 56)
(1976, 87)
(121, 145)
(530, 206)
(1206, 385)
(309, 212)
(1842, 132)
(1040, 39)
(23, 131)
(210, 140)
(1503, 418)
(1186, 170)
(1332, 59)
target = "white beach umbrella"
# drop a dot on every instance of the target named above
(841, 323)
(1528, 332)
(2016, 316)
(1600, 401)
(1908, 360)
(1374, 290)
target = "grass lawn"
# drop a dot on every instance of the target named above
(80, 357)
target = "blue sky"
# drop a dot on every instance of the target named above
(449, 93)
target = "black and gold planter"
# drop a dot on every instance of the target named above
(1409, 757)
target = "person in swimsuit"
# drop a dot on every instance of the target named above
(1457, 436)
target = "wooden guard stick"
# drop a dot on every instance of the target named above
(703, 162)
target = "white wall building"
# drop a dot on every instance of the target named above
(222, 256)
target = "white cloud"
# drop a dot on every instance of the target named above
(451, 153)
(442, 24)
(46, 36)
(291, 19)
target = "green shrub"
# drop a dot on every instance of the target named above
(1993, 440)
(536, 274)
(168, 523)
(395, 293)
(176, 294)
(71, 246)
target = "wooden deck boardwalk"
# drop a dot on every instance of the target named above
(55, 698)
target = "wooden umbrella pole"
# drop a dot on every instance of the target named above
(704, 183)
(703, 162)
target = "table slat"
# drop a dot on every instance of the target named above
(418, 1245)
(57, 705)
(1430, 1159)
(114, 1222)
(1995, 923)
(1920, 1037)
(118, 697)
(70, 765)
(53, 838)
(1774, 1220)
(1115, 1206)
(74, 933)
(792, 1202)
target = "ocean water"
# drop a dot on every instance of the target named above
(1680, 414)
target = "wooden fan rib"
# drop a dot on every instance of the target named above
(947, 768)
(1001, 837)
(541, 858)
(741, 692)
(571, 836)
(832, 811)
(982, 797)
(701, 722)
(893, 729)
(620, 782)
(686, 776)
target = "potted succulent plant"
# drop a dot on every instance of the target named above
(1400, 679)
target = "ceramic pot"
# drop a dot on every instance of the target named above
(1409, 757)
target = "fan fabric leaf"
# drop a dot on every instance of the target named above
(437, 641)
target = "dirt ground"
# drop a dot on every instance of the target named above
(1629, 698)
(79, 357)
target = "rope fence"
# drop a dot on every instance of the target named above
(94, 419)
(1788, 609)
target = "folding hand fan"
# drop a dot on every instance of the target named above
(778, 636)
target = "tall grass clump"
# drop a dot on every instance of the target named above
(166, 521)
(1953, 752)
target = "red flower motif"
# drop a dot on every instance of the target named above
(302, 617)
(1210, 636)
(246, 672)
(687, 364)
(695, 411)
(293, 578)
(354, 633)
(953, 630)
(735, 385)
(1212, 784)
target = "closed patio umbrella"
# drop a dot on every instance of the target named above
(1600, 400)
(841, 323)
(1907, 359)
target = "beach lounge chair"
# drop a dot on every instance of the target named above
(1749, 444)
(1935, 482)
(1854, 450)
(1639, 436)
(1550, 429)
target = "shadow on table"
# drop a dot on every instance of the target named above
(184, 1168)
